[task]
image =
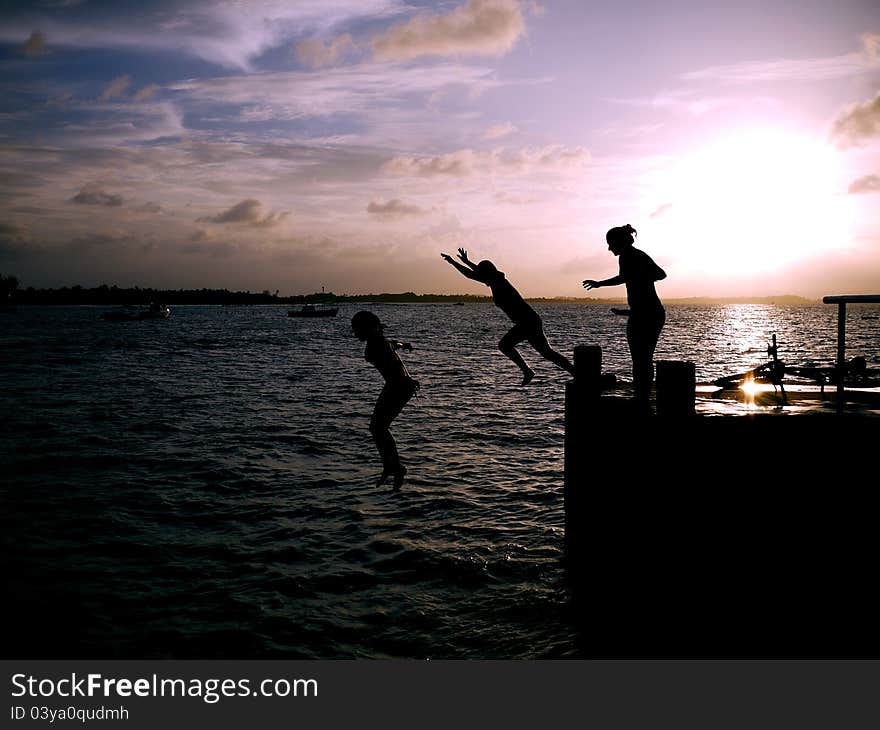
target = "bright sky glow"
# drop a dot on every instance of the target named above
(346, 143)
(757, 199)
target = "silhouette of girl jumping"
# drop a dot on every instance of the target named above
(399, 388)
(526, 322)
(646, 314)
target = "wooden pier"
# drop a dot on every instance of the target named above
(718, 536)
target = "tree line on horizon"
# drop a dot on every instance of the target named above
(108, 295)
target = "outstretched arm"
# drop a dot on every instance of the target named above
(613, 281)
(462, 254)
(469, 273)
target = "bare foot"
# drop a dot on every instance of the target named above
(383, 477)
(527, 376)
(398, 477)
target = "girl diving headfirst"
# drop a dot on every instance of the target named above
(526, 322)
(399, 388)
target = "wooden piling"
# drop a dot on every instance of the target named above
(676, 388)
(841, 354)
(581, 402)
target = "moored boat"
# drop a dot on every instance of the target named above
(133, 314)
(310, 310)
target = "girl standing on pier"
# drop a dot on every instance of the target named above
(399, 388)
(646, 314)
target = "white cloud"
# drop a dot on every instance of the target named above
(248, 212)
(94, 194)
(394, 208)
(692, 102)
(871, 46)
(795, 69)
(318, 54)
(124, 124)
(858, 123)
(383, 105)
(467, 162)
(512, 199)
(201, 235)
(115, 88)
(535, 8)
(146, 92)
(229, 33)
(457, 164)
(35, 45)
(478, 27)
(807, 69)
(866, 184)
(497, 131)
(297, 94)
(665, 208)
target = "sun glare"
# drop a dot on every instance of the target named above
(750, 387)
(751, 202)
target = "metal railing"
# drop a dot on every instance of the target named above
(841, 301)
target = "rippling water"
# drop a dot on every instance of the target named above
(203, 486)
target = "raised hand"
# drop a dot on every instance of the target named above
(591, 284)
(447, 257)
(462, 254)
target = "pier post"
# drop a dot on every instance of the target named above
(676, 388)
(841, 354)
(581, 403)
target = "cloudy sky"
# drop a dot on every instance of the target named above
(294, 144)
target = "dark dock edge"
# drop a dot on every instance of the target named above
(717, 536)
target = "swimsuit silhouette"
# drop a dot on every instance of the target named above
(398, 389)
(646, 314)
(526, 322)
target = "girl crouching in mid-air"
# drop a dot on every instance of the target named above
(399, 388)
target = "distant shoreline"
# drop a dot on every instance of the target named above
(113, 296)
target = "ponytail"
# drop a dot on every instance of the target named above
(622, 234)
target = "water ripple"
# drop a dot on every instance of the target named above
(204, 486)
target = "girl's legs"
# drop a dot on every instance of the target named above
(642, 333)
(388, 406)
(539, 342)
(508, 344)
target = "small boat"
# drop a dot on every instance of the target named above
(310, 310)
(133, 314)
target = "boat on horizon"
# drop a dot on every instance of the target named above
(311, 310)
(130, 313)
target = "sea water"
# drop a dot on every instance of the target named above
(203, 486)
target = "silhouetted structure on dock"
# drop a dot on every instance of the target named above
(841, 301)
(717, 536)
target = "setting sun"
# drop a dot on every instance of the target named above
(753, 201)
(750, 387)
(291, 145)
